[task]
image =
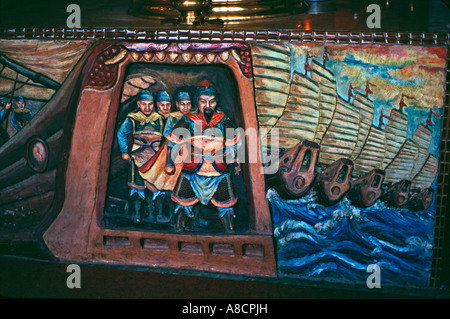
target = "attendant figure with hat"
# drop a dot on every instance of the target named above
(21, 115)
(184, 105)
(155, 178)
(164, 104)
(204, 176)
(145, 126)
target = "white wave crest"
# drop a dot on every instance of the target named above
(295, 237)
(293, 225)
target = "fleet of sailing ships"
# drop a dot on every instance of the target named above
(307, 107)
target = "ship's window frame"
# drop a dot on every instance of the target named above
(376, 181)
(37, 164)
(406, 187)
(342, 175)
(307, 156)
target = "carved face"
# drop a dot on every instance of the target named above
(184, 106)
(20, 104)
(145, 106)
(164, 107)
(207, 103)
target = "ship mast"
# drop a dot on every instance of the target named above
(307, 66)
(368, 90)
(429, 122)
(350, 93)
(381, 119)
(402, 103)
(325, 56)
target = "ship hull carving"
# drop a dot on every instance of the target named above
(421, 200)
(333, 183)
(366, 190)
(397, 194)
(296, 171)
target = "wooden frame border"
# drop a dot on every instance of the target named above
(319, 37)
(78, 234)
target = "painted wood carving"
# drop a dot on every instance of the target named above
(256, 158)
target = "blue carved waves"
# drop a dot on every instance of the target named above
(338, 243)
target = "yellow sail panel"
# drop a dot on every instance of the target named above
(366, 110)
(425, 177)
(372, 153)
(396, 133)
(301, 86)
(422, 136)
(341, 135)
(327, 97)
(280, 78)
(272, 51)
(271, 69)
(321, 74)
(401, 166)
(301, 114)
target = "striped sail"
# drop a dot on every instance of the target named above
(372, 153)
(341, 135)
(422, 136)
(327, 97)
(396, 133)
(425, 177)
(402, 165)
(366, 110)
(301, 116)
(272, 72)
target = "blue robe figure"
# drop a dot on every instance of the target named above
(21, 115)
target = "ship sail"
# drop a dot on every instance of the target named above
(272, 75)
(301, 115)
(422, 137)
(366, 110)
(303, 107)
(403, 163)
(341, 135)
(425, 177)
(372, 153)
(327, 97)
(42, 66)
(396, 133)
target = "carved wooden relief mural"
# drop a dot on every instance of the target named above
(369, 121)
(258, 158)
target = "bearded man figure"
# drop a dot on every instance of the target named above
(204, 176)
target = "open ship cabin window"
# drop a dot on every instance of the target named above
(405, 187)
(376, 181)
(342, 174)
(306, 161)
